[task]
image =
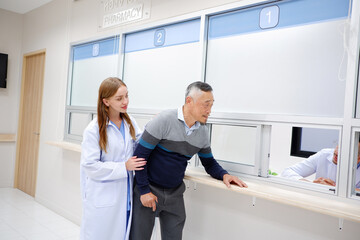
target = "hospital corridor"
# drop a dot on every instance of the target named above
(179, 119)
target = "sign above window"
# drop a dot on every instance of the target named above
(120, 12)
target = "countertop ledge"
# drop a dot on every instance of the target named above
(317, 204)
(66, 145)
(5, 137)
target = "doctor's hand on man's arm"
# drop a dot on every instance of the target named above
(149, 200)
(229, 179)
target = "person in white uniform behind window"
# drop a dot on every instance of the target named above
(323, 164)
(107, 164)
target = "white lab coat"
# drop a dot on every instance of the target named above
(104, 183)
(320, 163)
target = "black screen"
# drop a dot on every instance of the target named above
(3, 69)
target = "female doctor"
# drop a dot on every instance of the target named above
(107, 164)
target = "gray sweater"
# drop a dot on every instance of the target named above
(167, 148)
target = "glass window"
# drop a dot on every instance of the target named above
(295, 61)
(308, 141)
(78, 123)
(355, 166)
(234, 144)
(160, 63)
(357, 111)
(241, 148)
(317, 170)
(90, 64)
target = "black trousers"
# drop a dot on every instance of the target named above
(170, 209)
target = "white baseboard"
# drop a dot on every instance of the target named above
(59, 210)
(6, 184)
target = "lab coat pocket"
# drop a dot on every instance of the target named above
(103, 193)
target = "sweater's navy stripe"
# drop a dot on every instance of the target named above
(167, 150)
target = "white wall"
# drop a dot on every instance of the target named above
(58, 170)
(212, 213)
(10, 43)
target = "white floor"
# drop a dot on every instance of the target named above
(21, 217)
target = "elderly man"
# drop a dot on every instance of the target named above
(168, 142)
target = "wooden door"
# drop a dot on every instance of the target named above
(28, 135)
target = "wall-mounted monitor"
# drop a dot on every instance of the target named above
(3, 69)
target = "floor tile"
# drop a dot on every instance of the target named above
(22, 218)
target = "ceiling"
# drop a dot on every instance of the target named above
(21, 6)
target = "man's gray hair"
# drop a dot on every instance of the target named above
(196, 87)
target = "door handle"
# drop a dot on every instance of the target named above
(36, 133)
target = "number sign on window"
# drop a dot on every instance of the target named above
(159, 37)
(269, 17)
